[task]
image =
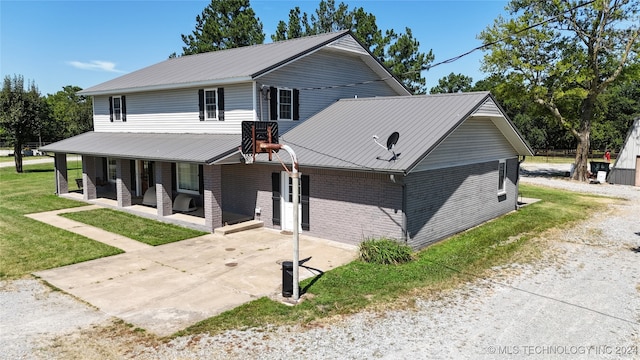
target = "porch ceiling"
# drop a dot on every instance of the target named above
(193, 148)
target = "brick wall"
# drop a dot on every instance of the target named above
(344, 206)
(443, 202)
(123, 182)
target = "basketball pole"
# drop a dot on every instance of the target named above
(295, 176)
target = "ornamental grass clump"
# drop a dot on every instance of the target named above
(385, 251)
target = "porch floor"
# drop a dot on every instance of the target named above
(194, 219)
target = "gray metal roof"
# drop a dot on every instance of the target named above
(232, 65)
(341, 136)
(193, 148)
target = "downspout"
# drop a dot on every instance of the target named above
(405, 232)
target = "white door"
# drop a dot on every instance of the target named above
(286, 203)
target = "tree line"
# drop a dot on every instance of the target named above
(27, 116)
(566, 72)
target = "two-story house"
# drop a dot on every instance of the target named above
(174, 127)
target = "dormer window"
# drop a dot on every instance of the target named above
(117, 108)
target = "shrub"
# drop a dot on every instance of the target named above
(385, 251)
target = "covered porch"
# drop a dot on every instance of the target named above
(168, 177)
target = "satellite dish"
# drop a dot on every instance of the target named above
(391, 143)
(392, 140)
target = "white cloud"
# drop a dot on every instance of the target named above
(97, 65)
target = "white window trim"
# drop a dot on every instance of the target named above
(206, 113)
(187, 191)
(290, 104)
(504, 179)
(113, 104)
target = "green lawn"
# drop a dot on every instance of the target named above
(28, 245)
(358, 285)
(134, 227)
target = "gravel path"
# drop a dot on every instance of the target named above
(582, 301)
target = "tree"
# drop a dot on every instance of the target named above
(566, 55)
(71, 114)
(224, 24)
(22, 111)
(399, 52)
(452, 83)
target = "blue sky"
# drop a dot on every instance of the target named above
(84, 43)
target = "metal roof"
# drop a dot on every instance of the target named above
(215, 67)
(341, 136)
(193, 148)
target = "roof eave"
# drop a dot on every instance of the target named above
(216, 82)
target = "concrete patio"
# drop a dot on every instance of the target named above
(166, 288)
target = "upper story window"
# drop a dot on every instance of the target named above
(284, 104)
(117, 108)
(502, 177)
(211, 103)
(285, 98)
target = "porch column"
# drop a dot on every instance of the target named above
(123, 182)
(163, 188)
(62, 179)
(88, 177)
(212, 179)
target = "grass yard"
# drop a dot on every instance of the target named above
(358, 285)
(134, 227)
(28, 245)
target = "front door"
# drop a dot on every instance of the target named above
(286, 207)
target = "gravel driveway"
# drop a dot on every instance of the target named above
(582, 301)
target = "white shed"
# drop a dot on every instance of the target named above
(626, 170)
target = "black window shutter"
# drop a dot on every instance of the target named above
(174, 179)
(201, 103)
(275, 196)
(134, 181)
(111, 108)
(221, 104)
(105, 169)
(273, 104)
(124, 108)
(296, 104)
(201, 179)
(304, 200)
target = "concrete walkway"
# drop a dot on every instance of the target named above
(166, 288)
(115, 240)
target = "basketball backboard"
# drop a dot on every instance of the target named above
(255, 133)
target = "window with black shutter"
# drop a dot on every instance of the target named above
(284, 104)
(117, 108)
(211, 104)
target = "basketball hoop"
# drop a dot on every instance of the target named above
(248, 159)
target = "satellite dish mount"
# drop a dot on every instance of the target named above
(392, 140)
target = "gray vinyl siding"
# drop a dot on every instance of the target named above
(348, 43)
(443, 202)
(323, 69)
(476, 140)
(621, 176)
(176, 111)
(488, 108)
